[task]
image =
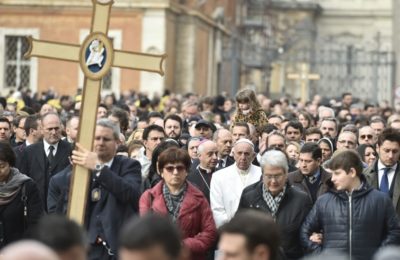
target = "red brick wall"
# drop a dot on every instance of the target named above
(64, 25)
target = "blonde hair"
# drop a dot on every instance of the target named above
(132, 136)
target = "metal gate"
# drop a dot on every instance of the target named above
(368, 75)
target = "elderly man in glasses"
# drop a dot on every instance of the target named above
(273, 195)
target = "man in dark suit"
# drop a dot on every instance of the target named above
(202, 174)
(223, 138)
(383, 174)
(33, 131)
(114, 190)
(310, 177)
(42, 160)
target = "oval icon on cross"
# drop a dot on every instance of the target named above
(96, 56)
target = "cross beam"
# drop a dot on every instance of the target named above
(96, 57)
(304, 77)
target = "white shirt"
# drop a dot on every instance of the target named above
(390, 174)
(47, 150)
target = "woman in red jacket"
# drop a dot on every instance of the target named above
(182, 202)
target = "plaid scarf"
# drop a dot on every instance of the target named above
(174, 201)
(273, 202)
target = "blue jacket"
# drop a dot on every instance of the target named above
(357, 224)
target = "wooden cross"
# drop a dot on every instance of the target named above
(96, 57)
(304, 77)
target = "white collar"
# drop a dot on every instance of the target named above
(47, 145)
(381, 166)
(109, 163)
(242, 172)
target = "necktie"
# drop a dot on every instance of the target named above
(385, 181)
(50, 157)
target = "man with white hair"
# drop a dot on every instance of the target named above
(227, 184)
(325, 112)
(273, 195)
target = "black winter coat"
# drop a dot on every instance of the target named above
(15, 226)
(357, 224)
(292, 211)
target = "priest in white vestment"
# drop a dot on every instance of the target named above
(227, 184)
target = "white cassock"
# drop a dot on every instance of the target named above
(226, 190)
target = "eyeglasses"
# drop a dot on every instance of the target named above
(178, 168)
(273, 177)
(366, 136)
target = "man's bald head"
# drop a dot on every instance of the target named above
(27, 250)
(208, 154)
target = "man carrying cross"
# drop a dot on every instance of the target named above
(114, 189)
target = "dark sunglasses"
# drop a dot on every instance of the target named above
(179, 168)
(366, 136)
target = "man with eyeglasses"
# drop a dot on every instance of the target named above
(33, 132)
(19, 136)
(366, 135)
(346, 140)
(310, 177)
(273, 195)
(114, 192)
(42, 160)
(383, 174)
(152, 136)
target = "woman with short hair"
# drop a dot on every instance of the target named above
(176, 198)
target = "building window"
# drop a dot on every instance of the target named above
(17, 69)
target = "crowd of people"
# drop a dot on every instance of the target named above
(189, 177)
